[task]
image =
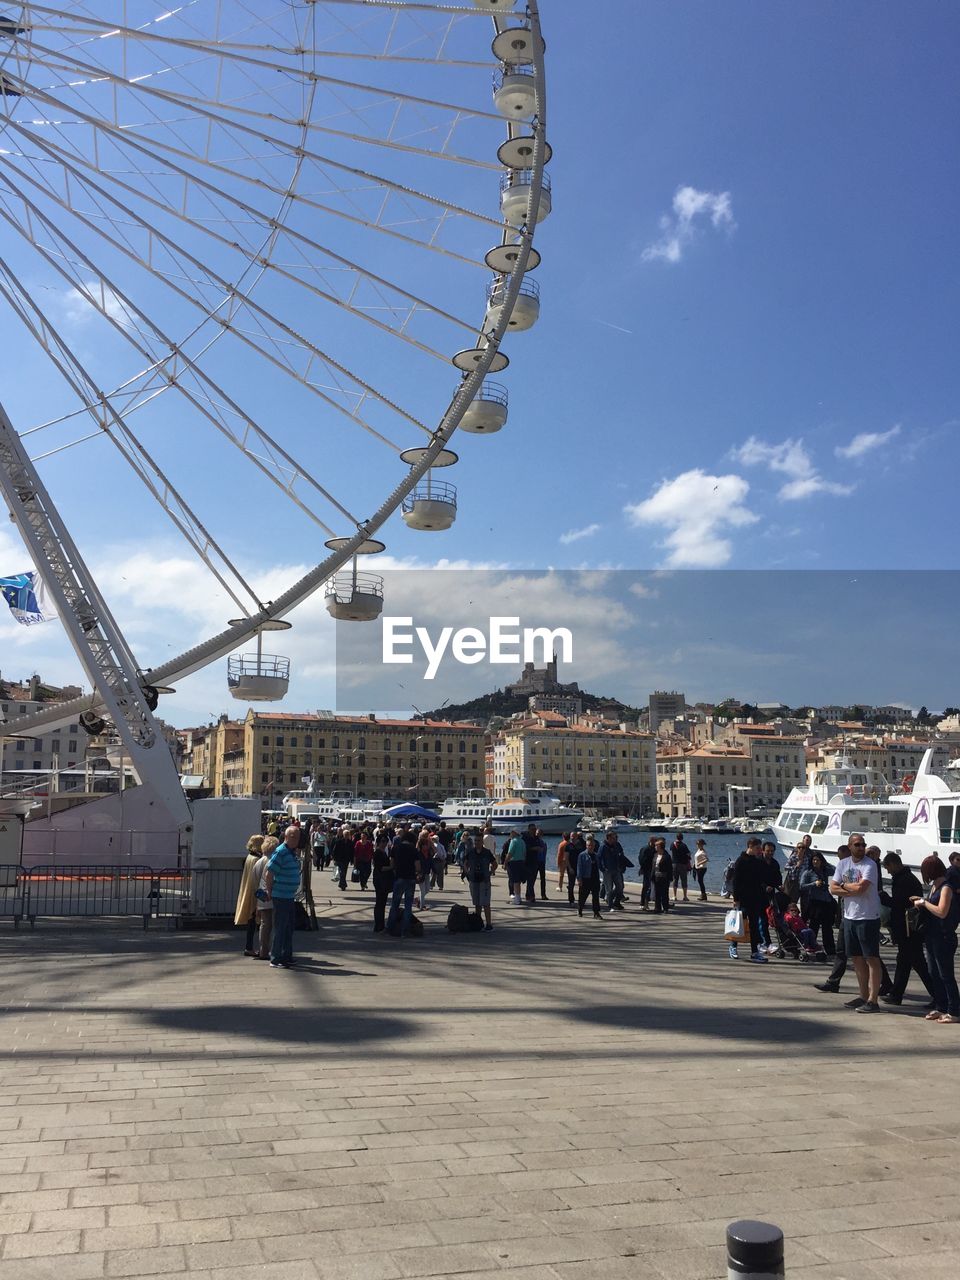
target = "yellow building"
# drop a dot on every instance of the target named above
(611, 769)
(425, 760)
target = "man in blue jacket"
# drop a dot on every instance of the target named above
(281, 880)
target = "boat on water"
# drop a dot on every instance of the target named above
(343, 806)
(530, 804)
(914, 820)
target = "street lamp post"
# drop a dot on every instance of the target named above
(731, 788)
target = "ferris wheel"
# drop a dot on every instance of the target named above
(293, 237)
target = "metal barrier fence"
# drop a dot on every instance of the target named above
(169, 895)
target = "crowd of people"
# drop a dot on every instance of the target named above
(812, 897)
(811, 908)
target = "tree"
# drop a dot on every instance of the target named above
(922, 716)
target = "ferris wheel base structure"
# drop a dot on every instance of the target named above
(133, 828)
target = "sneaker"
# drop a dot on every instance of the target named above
(488, 928)
(868, 1006)
(275, 964)
(772, 948)
(827, 986)
(732, 951)
(757, 958)
(855, 1003)
(890, 1000)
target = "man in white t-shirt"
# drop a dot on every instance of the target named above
(856, 883)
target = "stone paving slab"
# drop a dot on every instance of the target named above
(562, 1099)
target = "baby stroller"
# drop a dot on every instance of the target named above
(794, 937)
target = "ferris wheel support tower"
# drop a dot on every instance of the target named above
(97, 640)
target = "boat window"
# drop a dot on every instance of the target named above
(875, 821)
(949, 834)
(806, 822)
(819, 824)
(791, 821)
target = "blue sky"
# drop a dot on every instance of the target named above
(746, 356)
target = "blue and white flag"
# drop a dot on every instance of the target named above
(27, 598)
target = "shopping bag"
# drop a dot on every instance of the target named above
(733, 926)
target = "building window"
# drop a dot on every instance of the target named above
(72, 744)
(335, 743)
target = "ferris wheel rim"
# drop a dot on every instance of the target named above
(487, 359)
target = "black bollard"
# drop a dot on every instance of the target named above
(754, 1251)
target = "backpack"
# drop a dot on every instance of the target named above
(416, 927)
(458, 919)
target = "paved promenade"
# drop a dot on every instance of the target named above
(557, 1100)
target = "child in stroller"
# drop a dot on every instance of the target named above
(794, 935)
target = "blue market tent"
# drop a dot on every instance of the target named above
(410, 811)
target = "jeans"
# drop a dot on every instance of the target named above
(701, 874)
(439, 867)
(542, 872)
(613, 888)
(265, 923)
(753, 911)
(533, 870)
(941, 948)
(910, 957)
(342, 868)
(646, 888)
(571, 878)
(821, 916)
(382, 884)
(589, 889)
(282, 950)
(661, 896)
(402, 889)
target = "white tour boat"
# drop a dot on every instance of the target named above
(530, 804)
(917, 819)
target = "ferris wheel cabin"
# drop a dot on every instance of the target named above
(354, 597)
(487, 412)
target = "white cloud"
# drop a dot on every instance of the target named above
(866, 442)
(691, 209)
(574, 535)
(695, 508)
(791, 459)
(79, 306)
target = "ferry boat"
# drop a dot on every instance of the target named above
(920, 817)
(342, 805)
(530, 804)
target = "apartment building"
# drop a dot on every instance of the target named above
(424, 760)
(612, 769)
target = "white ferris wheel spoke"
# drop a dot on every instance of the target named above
(227, 290)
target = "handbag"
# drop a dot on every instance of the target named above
(734, 926)
(355, 875)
